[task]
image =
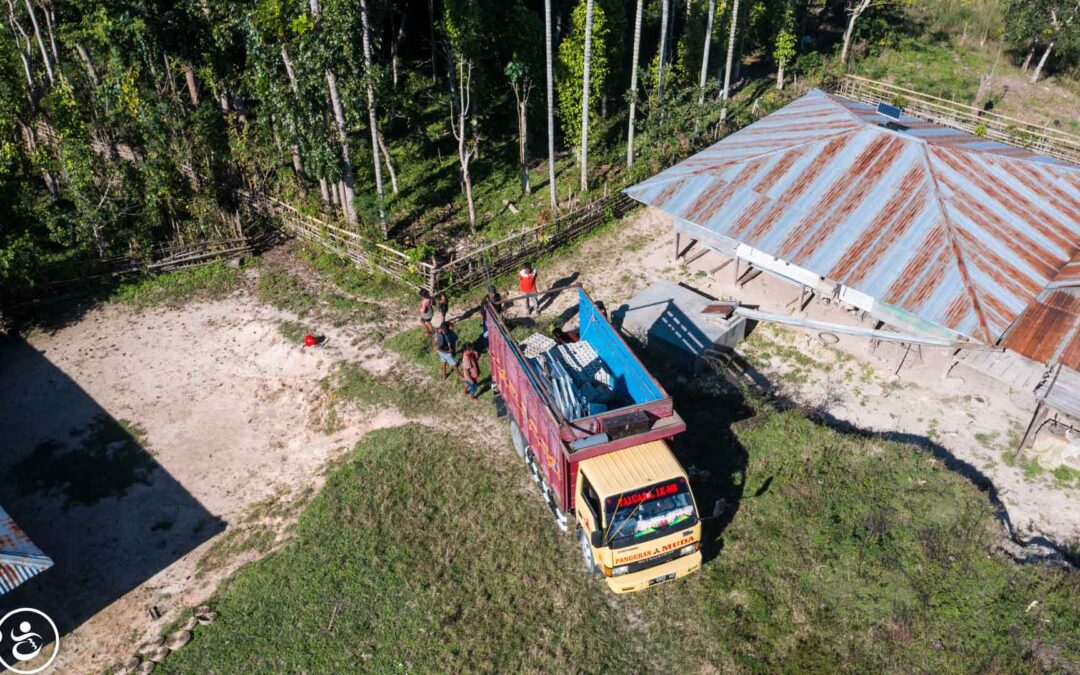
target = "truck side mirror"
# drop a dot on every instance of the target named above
(719, 507)
(597, 539)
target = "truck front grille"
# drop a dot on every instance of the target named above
(652, 562)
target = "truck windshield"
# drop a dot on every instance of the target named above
(649, 513)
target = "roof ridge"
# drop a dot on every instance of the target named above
(958, 256)
(1031, 158)
(785, 148)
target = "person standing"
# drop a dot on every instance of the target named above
(427, 311)
(443, 303)
(445, 343)
(470, 370)
(527, 285)
(493, 306)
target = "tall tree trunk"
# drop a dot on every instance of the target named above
(521, 98)
(324, 190)
(585, 98)
(855, 12)
(50, 19)
(297, 161)
(780, 75)
(90, 70)
(343, 139)
(550, 106)
(395, 49)
(730, 53)
(705, 53)
(372, 115)
(633, 85)
(1027, 59)
(664, 22)
(459, 123)
(1042, 62)
(41, 42)
(434, 51)
(523, 143)
(192, 86)
(389, 164)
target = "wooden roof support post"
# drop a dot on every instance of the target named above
(1033, 428)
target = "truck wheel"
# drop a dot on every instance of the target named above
(586, 552)
(520, 446)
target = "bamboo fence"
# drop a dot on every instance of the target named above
(987, 124)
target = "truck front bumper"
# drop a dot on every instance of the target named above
(674, 569)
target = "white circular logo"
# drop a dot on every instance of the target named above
(25, 634)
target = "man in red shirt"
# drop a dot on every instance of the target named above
(527, 285)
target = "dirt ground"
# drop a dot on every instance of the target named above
(226, 412)
(224, 408)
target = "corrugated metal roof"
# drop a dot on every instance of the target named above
(1049, 329)
(956, 230)
(19, 558)
(631, 468)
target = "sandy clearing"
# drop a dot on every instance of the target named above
(226, 410)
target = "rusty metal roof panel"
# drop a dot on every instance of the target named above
(957, 230)
(19, 558)
(1048, 331)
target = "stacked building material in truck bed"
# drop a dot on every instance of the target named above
(574, 374)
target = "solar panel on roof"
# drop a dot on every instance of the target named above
(890, 111)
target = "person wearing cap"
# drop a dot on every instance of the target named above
(445, 343)
(527, 285)
(427, 311)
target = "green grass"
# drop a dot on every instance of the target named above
(395, 566)
(285, 291)
(930, 68)
(1066, 476)
(109, 459)
(843, 554)
(349, 278)
(209, 282)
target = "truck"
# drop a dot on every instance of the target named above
(607, 465)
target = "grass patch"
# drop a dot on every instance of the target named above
(292, 331)
(1066, 476)
(109, 459)
(350, 278)
(209, 282)
(352, 383)
(284, 291)
(395, 566)
(834, 553)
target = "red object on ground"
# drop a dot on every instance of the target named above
(310, 341)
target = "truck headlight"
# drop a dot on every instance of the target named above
(621, 569)
(687, 550)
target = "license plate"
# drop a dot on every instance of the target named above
(660, 580)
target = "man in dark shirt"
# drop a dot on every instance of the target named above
(445, 345)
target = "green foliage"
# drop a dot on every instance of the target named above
(569, 81)
(785, 47)
(208, 282)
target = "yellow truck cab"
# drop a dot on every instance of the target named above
(638, 524)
